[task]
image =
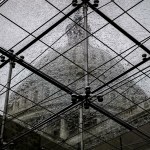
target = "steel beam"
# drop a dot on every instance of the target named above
(45, 32)
(118, 120)
(119, 28)
(37, 72)
(124, 73)
(6, 102)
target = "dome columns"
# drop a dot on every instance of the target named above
(63, 129)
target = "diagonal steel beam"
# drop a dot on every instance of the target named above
(119, 28)
(45, 32)
(118, 120)
(37, 72)
(42, 123)
(124, 73)
(3, 2)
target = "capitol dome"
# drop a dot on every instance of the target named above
(67, 70)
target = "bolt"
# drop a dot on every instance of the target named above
(11, 51)
(87, 90)
(74, 3)
(96, 2)
(2, 58)
(21, 57)
(144, 56)
(100, 98)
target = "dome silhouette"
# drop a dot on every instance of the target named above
(67, 71)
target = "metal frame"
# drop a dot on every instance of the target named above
(37, 72)
(63, 111)
(45, 32)
(121, 75)
(6, 101)
(119, 28)
(116, 119)
(3, 2)
(68, 90)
